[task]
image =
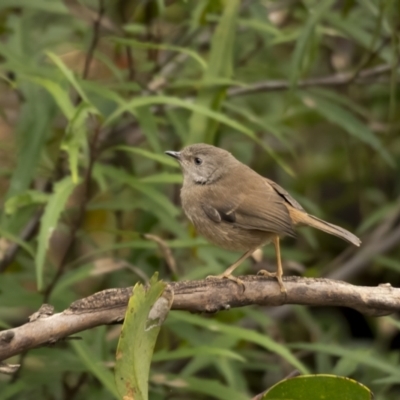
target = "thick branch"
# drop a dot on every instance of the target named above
(108, 306)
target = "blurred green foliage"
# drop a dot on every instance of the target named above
(92, 93)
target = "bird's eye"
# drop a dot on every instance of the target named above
(198, 160)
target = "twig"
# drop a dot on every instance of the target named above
(26, 234)
(331, 80)
(165, 250)
(95, 39)
(209, 295)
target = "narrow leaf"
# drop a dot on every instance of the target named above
(303, 42)
(244, 334)
(146, 45)
(201, 129)
(94, 364)
(52, 212)
(68, 74)
(345, 119)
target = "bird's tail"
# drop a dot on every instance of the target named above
(302, 218)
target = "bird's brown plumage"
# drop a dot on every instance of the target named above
(236, 208)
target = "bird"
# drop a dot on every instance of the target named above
(237, 209)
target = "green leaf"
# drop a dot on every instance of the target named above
(48, 6)
(147, 45)
(197, 351)
(220, 66)
(175, 101)
(209, 387)
(35, 117)
(262, 26)
(361, 356)
(156, 196)
(323, 387)
(23, 199)
(304, 40)
(59, 94)
(244, 334)
(162, 178)
(93, 363)
(346, 120)
(218, 116)
(68, 74)
(33, 127)
(387, 262)
(136, 344)
(149, 127)
(76, 136)
(13, 238)
(52, 212)
(161, 158)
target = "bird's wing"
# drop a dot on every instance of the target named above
(285, 195)
(254, 205)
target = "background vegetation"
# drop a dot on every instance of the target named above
(92, 94)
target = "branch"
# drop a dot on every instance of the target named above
(341, 79)
(108, 306)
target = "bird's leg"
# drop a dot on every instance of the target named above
(228, 272)
(279, 270)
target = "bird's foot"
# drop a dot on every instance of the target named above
(230, 277)
(263, 272)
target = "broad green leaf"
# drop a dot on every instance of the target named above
(93, 363)
(23, 199)
(136, 343)
(361, 356)
(244, 334)
(201, 129)
(52, 212)
(318, 387)
(146, 45)
(346, 120)
(304, 40)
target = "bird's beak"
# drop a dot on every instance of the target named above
(175, 154)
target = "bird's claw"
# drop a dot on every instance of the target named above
(230, 277)
(263, 272)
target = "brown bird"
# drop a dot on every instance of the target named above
(237, 209)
